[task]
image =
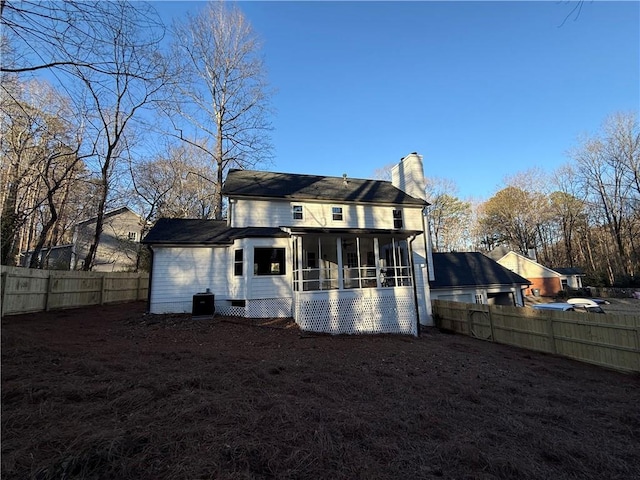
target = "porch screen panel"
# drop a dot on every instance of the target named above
(328, 263)
(367, 257)
(350, 262)
(394, 262)
(310, 270)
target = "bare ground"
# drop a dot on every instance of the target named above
(102, 393)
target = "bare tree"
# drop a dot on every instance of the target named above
(114, 99)
(104, 54)
(223, 92)
(40, 146)
(65, 34)
(606, 163)
(449, 216)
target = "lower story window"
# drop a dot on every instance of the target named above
(237, 263)
(269, 261)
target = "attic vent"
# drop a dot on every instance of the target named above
(345, 182)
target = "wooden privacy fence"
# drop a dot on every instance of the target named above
(25, 290)
(611, 341)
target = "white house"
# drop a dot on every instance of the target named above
(339, 255)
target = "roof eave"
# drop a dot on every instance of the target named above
(417, 203)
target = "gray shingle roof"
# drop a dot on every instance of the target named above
(460, 269)
(569, 271)
(252, 183)
(181, 231)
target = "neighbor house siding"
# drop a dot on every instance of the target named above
(181, 272)
(269, 213)
(116, 252)
(526, 267)
(547, 281)
(464, 295)
(501, 295)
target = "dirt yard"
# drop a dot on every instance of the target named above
(111, 393)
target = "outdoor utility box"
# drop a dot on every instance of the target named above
(203, 305)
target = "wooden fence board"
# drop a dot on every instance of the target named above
(26, 290)
(612, 341)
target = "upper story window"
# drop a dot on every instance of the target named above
(336, 213)
(297, 212)
(237, 263)
(132, 236)
(397, 219)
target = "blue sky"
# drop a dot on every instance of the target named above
(482, 90)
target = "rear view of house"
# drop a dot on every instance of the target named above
(339, 255)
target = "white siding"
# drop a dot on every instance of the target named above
(421, 270)
(408, 176)
(469, 294)
(180, 273)
(277, 213)
(268, 286)
(464, 296)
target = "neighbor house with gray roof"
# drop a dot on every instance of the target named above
(472, 277)
(338, 254)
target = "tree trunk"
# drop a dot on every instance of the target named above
(219, 174)
(46, 228)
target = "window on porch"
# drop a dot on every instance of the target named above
(359, 263)
(329, 263)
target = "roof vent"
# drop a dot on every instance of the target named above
(344, 179)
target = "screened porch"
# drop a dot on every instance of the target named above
(350, 261)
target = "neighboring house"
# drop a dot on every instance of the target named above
(570, 277)
(544, 281)
(117, 250)
(54, 258)
(472, 277)
(339, 255)
(119, 241)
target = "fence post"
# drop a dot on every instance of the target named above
(102, 288)
(552, 338)
(638, 342)
(47, 297)
(490, 307)
(5, 276)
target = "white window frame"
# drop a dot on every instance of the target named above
(397, 219)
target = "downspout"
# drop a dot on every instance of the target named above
(232, 202)
(415, 286)
(428, 248)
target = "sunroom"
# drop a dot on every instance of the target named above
(353, 280)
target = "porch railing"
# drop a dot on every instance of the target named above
(314, 279)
